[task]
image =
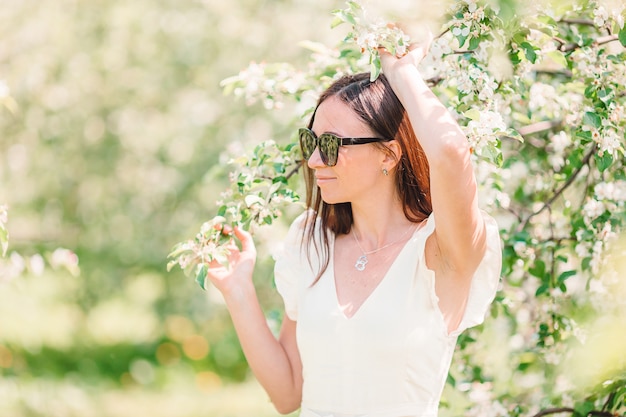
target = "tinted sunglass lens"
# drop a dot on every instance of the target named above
(307, 143)
(329, 149)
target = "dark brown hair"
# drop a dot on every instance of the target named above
(375, 103)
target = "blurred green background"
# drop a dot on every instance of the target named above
(113, 128)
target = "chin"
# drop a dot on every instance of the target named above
(333, 199)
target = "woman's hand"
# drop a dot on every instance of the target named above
(238, 273)
(393, 66)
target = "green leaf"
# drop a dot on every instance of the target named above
(606, 95)
(622, 36)
(558, 58)
(343, 16)
(515, 58)
(543, 288)
(451, 381)
(529, 51)
(4, 240)
(171, 265)
(583, 409)
(375, 68)
(592, 119)
(280, 179)
(513, 134)
(565, 275)
(472, 114)
(461, 40)
(538, 269)
(177, 250)
(473, 44)
(603, 161)
(354, 5)
(586, 263)
(585, 135)
(201, 276)
(252, 199)
(336, 22)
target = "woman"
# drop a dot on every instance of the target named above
(375, 293)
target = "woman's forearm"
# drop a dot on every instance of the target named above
(271, 360)
(434, 126)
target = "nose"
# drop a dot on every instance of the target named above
(315, 160)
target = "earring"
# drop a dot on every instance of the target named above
(385, 172)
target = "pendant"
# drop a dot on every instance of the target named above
(360, 263)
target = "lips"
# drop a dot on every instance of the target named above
(323, 179)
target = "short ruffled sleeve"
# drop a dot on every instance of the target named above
(288, 269)
(485, 281)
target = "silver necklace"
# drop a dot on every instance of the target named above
(362, 260)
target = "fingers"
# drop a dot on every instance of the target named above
(226, 229)
(247, 243)
(385, 55)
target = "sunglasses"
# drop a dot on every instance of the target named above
(328, 145)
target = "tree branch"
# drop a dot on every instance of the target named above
(573, 21)
(600, 41)
(558, 410)
(565, 73)
(529, 130)
(561, 190)
(539, 127)
(295, 169)
(609, 399)
(549, 411)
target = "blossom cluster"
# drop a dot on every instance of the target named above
(371, 34)
(269, 83)
(259, 192)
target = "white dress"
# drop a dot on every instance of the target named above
(391, 358)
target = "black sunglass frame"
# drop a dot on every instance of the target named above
(329, 159)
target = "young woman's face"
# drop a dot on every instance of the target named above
(358, 168)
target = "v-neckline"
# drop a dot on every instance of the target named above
(377, 286)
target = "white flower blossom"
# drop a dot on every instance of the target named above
(484, 405)
(4, 214)
(440, 47)
(582, 249)
(5, 91)
(596, 257)
(560, 141)
(474, 73)
(540, 95)
(615, 191)
(600, 16)
(593, 209)
(520, 248)
(461, 31)
(610, 142)
(36, 264)
(464, 83)
(487, 88)
(367, 40)
(557, 162)
(472, 6)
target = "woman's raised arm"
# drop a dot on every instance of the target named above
(460, 228)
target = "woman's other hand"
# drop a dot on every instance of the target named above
(238, 272)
